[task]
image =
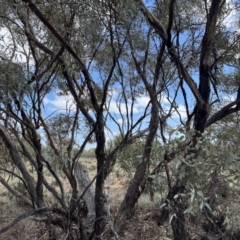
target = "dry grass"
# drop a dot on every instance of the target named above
(115, 186)
(142, 226)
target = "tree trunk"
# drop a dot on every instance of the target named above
(99, 197)
(202, 112)
(178, 225)
(84, 180)
(134, 190)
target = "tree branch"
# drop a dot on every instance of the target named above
(15, 192)
(28, 214)
(44, 20)
(222, 113)
(171, 48)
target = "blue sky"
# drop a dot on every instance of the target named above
(57, 104)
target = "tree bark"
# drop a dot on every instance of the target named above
(134, 192)
(202, 112)
(20, 165)
(89, 197)
(178, 226)
(99, 191)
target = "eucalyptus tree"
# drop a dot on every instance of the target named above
(174, 55)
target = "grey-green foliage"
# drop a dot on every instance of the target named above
(99, 31)
(90, 154)
(129, 157)
(60, 126)
(205, 169)
(12, 80)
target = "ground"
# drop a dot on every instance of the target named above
(141, 226)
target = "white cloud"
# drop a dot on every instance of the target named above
(139, 105)
(142, 102)
(232, 18)
(17, 51)
(229, 98)
(117, 108)
(181, 110)
(120, 120)
(59, 103)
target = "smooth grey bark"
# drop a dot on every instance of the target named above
(83, 180)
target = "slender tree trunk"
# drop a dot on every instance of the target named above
(99, 191)
(178, 227)
(202, 112)
(134, 192)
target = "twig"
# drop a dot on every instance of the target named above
(28, 214)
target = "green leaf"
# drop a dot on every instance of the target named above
(188, 164)
(152, 176)
(176, 196)
(192, 195)
(171, 217)
(181, 130)
(178, 164)
(199, 172)
(200, 193)
(207, 205)
(163, 205)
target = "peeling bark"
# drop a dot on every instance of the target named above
(83, 179)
